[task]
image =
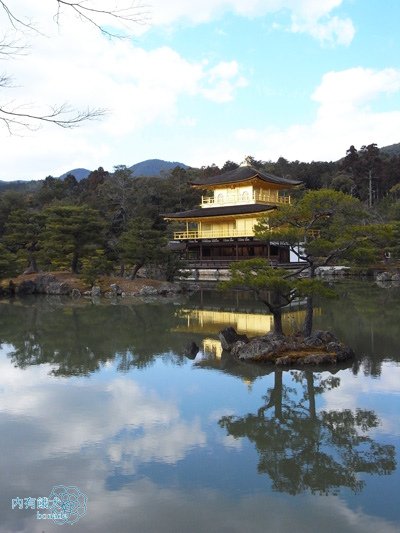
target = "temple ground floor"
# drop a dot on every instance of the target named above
(222, 252)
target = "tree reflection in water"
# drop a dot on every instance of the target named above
(77, 339)
(301, 448)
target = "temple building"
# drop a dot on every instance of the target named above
(221, 229)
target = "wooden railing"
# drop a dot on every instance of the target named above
(226, 234)
(271, 198)
(212, 234)
(237, 199)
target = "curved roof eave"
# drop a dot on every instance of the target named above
(231, 210)
(241, 174)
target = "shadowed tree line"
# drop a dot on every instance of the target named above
(104, 223)
(367, 173)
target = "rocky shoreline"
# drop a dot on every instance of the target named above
(322, 347)
(63, 284)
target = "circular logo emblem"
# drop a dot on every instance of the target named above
(68, 503)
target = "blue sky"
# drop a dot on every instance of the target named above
(205, 81)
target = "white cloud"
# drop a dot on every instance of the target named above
(145, 506)
(167, 443)
(138, 87)
(333, 31)
(345, 116)
(306, 16)
(347, 90)
(224, 78)
(72, 433)
(157, 431)
(135, 85)
(367, 393)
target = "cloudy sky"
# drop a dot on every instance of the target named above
(204, 81)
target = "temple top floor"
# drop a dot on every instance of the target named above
(245, 185)
(244, 194)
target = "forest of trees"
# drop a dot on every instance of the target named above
(104, 223)
(112, 222)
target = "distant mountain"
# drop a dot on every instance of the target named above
(150, 167)
(79, 173)
(155, 167)
(392, 149)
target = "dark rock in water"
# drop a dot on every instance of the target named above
(95, 292)
(322, 347)
(343, 352)
(237, 348)
(384, 276)
(320, 337)
(229, 336)
(49, 284)
(148, 290)
(26, 287)
(254, 349)
(168, 289)
(115, 289)
(58, 287)
(191, 350)
(41, 284)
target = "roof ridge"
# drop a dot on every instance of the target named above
(245, 173)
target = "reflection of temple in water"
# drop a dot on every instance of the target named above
(252, 322)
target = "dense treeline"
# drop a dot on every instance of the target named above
(112, 222)
(104, 223)
(368, 173)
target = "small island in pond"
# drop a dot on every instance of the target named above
(322, 347)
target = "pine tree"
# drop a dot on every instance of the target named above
(71, 232)
(142, 244)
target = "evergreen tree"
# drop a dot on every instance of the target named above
(8, 265)
(321, 228)
(71, 232)
(275, 287)
(23, 233)
(142, 244)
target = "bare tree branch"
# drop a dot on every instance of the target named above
(10, 47)
(5, 81)
(14, 20)
(62, 115)
(134, 13)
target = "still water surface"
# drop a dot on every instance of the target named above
(100, 396)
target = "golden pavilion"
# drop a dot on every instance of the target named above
(221, 229)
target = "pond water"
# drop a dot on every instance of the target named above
(103, 414)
